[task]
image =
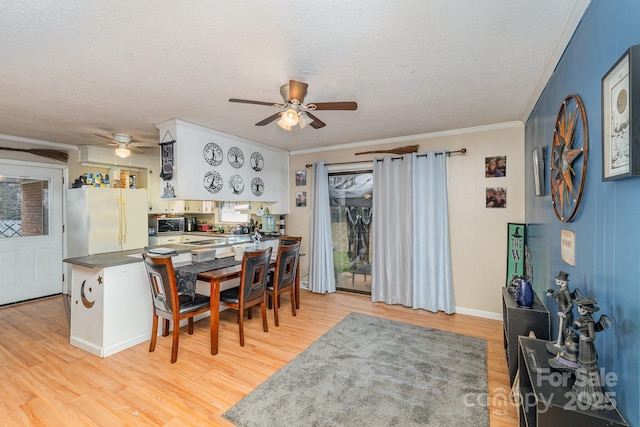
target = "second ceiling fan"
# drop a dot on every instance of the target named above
(295, 111)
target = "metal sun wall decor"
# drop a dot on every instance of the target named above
(214, 180)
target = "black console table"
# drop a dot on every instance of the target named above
(546, 398)
(519, 321)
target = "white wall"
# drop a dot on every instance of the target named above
(478, 234)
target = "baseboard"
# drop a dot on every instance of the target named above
(479, 313)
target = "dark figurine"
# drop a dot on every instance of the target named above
(588, 386)
(564, 300)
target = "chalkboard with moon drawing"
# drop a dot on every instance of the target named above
(213, 182)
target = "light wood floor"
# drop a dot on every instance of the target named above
(46, 381)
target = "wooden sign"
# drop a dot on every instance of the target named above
(515, 250)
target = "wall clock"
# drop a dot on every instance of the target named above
(213, 154)
(569, 154)
(213, 182)
(236, 157)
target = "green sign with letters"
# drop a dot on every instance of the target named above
(515, 250)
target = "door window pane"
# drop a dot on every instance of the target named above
(24, 207)
(351, 197)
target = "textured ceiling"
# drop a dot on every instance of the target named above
(71, 69)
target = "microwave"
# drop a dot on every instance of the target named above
(167, 225)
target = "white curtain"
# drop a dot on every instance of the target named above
(432, 285)
(392, 221)
(321, 274)
(411, 258)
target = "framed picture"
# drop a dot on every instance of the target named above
(496, 197)
(515, 250)
(495, 167)
(538, 170)
(620, 98)
(301, 198)
(301, 178)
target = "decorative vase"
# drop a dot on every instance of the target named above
(524, 292)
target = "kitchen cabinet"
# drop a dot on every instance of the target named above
(105, 220)
(209, 164)
(111, 307)
(186, 238)
(519, 321)
(165, 240)
(199, 206)
(158, 204)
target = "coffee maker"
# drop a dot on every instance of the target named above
(190, 223)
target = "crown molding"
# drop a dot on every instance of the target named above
(412, 138)
(39, 142)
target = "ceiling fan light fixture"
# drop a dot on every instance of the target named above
(123, 151)
(290, 117)
(304, 120)
(283, 124)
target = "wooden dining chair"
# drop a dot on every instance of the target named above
(252, 289)
(284, 277)
(290, 240)
(168, 304)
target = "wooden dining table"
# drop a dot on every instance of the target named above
(215, 278)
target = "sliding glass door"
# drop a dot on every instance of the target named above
(351, 196)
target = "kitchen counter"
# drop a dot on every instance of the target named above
(127, 257)
(111, 306)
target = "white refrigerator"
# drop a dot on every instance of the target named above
(103, 220)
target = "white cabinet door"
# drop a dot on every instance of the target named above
(134, 219)
(164, 240)
(154, 184)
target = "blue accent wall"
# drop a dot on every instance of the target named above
(607, 225)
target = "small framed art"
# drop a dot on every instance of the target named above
(538, 170)
(620, 99)
(301, 178)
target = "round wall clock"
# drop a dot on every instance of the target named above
(257, 186)
(213, 154)
(213, 182)
(569, 155)
(236, 184)
(236, 157)
(257, 161)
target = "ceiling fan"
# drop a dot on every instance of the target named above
(124, 143)
(294, 110)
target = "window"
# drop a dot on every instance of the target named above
(229, 214)
(24, 207)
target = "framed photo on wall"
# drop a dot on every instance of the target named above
(620, 100)
(538, 170)
(301, 178)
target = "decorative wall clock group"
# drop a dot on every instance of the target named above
(214, 182)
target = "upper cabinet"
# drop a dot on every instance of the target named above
(206, 164)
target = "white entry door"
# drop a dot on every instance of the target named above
(30, 232)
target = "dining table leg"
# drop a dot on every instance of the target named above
(215, 314)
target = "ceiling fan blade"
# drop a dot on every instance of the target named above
(335, 105)
(297, 90)
(248, 101)
(269, 119)
(316, 123)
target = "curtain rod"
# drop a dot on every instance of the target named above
(448, 153)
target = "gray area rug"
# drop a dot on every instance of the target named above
(368, 371)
